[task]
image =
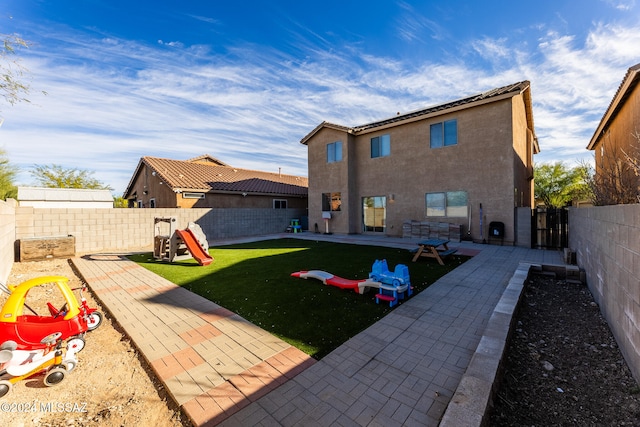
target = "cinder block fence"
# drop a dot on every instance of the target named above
(127, 230)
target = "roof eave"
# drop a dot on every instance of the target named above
(628, 83)
(435, 113)
(322, 126)
(125, 195)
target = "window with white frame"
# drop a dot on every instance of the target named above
(334, 152)
(449, 204)
(192, 195)
(152, 203)
(443, 134)
(380, 146)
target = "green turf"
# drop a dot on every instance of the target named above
(254, 280)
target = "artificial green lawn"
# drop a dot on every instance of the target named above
(254, 280)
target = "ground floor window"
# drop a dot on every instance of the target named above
(374, 213)
(279, 204)
(331, 202)
(449, 204)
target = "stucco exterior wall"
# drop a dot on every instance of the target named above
(483, 163)
(619, 132)
(606, 240)
(148, 186)
(523, 155)
(330, 178)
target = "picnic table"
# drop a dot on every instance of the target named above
(433, 248)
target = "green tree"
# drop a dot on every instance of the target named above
(556, 185)
(8, 174)
(120, 202)
(56, 176)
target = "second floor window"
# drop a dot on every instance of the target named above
(334, 152)
(444, 134)
(380, 146)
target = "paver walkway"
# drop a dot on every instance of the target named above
(212, 361)
(403, 370)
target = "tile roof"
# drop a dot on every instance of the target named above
(194, 175)
(492, 94)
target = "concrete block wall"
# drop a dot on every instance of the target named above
(118, 230)
(606, 240)
(7, 237)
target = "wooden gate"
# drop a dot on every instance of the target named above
(550, 228)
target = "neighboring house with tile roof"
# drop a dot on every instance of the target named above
(206, 182)
(618, 133)
(434, 164)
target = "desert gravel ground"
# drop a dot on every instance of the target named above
(111, 386)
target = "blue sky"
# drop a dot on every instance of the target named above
(245, 81)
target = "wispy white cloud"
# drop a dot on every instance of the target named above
(111, 101)
(412, 26)
(624, 5)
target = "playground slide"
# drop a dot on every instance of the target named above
(359, 286)
(197, 251)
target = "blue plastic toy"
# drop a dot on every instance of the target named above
(380, 273)
(394, 284)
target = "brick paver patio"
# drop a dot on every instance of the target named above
(222, 369)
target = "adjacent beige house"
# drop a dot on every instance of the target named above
(206, 182)
(616, 137)
(436, 164)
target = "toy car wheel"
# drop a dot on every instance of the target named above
(5, 388)
(94, 320)
(55, 376)
(51, 338)
(9, 345)
(5, 356)
(396, 282)
(76, 344)
(70, 364)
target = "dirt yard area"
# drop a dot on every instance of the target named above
(111, 386)
(563, 366)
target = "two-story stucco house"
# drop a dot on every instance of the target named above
(616, 137)
(435, 164)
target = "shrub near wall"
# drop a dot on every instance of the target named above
(606, 240)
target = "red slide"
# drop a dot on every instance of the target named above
(197, 251)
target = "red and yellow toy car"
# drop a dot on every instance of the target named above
(70, 321)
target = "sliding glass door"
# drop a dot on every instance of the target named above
(374, 214)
